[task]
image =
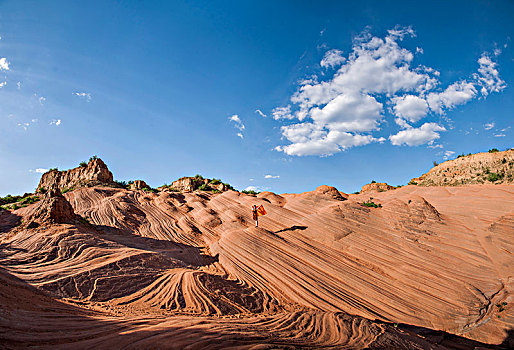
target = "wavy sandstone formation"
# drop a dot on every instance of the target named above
(136, 269)
(376, 187)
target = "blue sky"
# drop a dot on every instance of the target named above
(280, 95)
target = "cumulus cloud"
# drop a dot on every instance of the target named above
(84, 95)
(55, 122)
(4, 64)
(240, 135)
(332, 58)
(410, 107)
(417, 136)
(489, 126)
(271, 176)
(456, 94)
(376, 79)
(258, 111)
(2, 84)
(41, 100)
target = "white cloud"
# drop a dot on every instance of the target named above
(448, 154)
(4, 65)
(24, 126)
(256, 188)
(499, 135)
(488, 76)
(38, 170)
(2, 84)
(19, 85)
(260, 113)
(456, 94)
(240, 135)
(332, 58)
(489, 126)
(84, 95)
(55, 122)
(417, 136)
(237, 122)
(271, 176)
(282, 113)
(410, 107)
(376, 79)
(42, 100)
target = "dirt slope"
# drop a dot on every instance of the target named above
(171, 270)
(479, 168)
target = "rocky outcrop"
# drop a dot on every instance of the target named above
(138, 185)
(189, 184)
(377, 187)
(53, 208)
(496, 167)
(331, 192)
(93, 174)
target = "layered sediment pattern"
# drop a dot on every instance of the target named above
(173, 270)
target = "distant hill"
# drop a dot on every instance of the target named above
(488, 167)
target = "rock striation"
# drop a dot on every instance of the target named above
(479, 168)
(93, 174)
(190, 184)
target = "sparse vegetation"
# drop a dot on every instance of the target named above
(215, 181)
(493, 177)
(216, 191)
(371, 204)
(204, 187)
(435, 163)
(493, 150)
(53, 169)
(83, 164)
(67, 190)
(501, 306)
(373, 182)
(149, 189)
(252, 192)
(413, 182)
(93, 158)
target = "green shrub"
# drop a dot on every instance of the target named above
(228, 187)
(198, 177)
(493, 177)
(370, 203)
(215, 181)
(413, 182)
(435, 163)
(373, 182)
(53, 169)
(83, 164)
(149, 189)
(216, 191)
(15, 206)
(93, 158)
(67, 190)
(204, 187)
(493, 150)
(250, 192)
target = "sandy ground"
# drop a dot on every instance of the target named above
(432, 268)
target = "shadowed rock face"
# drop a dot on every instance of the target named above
(52, 208)
(94, 173)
